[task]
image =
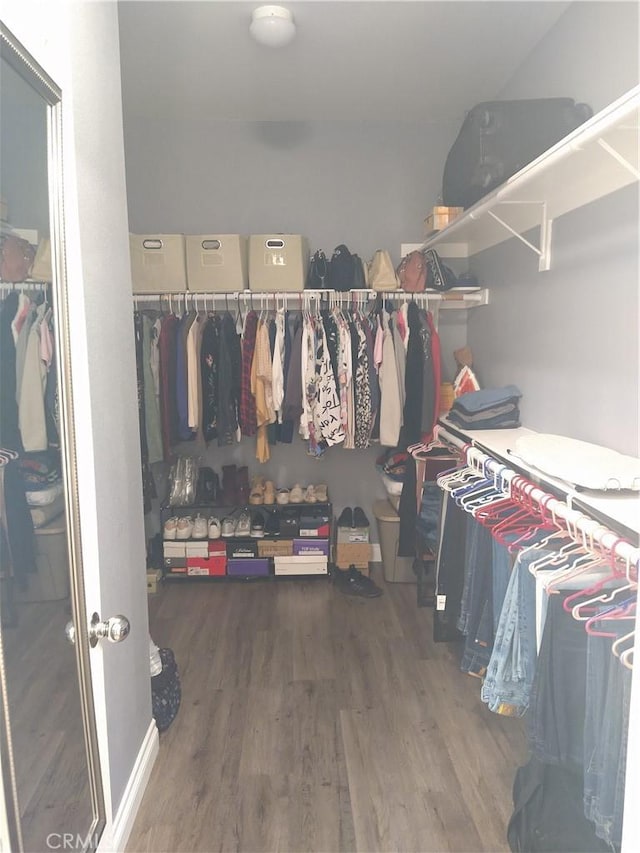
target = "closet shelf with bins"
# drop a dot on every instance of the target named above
(598, 158)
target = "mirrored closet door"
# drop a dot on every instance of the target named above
(50, 769)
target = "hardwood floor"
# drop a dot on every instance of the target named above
(311, 721)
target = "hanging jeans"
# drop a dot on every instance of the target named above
(476, 614)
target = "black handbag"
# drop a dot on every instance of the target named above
(342, 273)
(318, 273)
(439, 276)
(166, 692)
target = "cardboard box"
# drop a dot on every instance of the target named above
(440, 217)
(278, 262)
(315, 532)
(158, 263)
(277, 548)
(217, 547)
(171, 563)
(357, 554)
(311, 547)
(154, 577)
(217, 263)
(301, 565)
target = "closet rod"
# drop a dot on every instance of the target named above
(589, 529)
(472, 297)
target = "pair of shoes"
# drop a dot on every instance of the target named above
(282, 496)
(243, 525)
(296, 494)
(208, 491)
(355, 517)
(269, 493)
(228, 527)
(215, 530)
(272, 524)
(200, 528)
(184, 527)
(257, 526)
(169, 528)
(353, 582)
(256, 496)
(235, 485)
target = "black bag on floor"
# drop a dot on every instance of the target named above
(166, 692)
(498, 138)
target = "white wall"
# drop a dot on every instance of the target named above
(77, 44)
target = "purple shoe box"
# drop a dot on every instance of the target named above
(244, 567)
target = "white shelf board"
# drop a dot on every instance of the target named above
(598, 158)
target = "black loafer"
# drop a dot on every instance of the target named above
(359, 517)
(353, 582)
(346, 517)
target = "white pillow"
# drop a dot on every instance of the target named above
(587, 465)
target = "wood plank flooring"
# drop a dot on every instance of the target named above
(311, 721)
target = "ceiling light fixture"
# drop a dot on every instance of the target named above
(272, 26)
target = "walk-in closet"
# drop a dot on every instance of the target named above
(319, 457)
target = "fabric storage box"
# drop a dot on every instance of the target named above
(278, 262)
(240, 568)
(311, 547)
(243, 549)
(280, 548)
(301, 565)
(217, 263)
(356, 554)
(396, 569)
(50, 582)
(158, 263)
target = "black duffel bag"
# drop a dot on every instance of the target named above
(498, 138)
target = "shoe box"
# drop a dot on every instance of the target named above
(307, 564)
(154, 577)
(314, 523)
(242, 550)
(311, 547)
(277, 548)
(248, 567)
(356, 554)
(289, 523)
(351, 534)
(213, 566)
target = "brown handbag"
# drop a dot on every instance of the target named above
(16, 259)
(412, 272)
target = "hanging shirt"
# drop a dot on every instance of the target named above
(31, 411)
(277, 369)
(390, 408)
(328, 404)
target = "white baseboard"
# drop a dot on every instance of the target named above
(376, 553)
(136, 786)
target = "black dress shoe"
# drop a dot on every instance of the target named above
(272, 524)
(353, 582)
(346, 517)
(359, 518)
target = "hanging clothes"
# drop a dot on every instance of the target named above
(9, 428)
(148, 485)
(248, 423)
(209, 364)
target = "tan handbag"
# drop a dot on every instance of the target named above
(41, 269)
(382, 275)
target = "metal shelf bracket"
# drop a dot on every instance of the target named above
(546, 223)
(620, 158)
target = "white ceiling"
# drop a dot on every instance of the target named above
(384, 60)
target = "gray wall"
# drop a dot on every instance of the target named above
(366, 184)
(569, 337)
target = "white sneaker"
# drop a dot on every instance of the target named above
(200, 527)
(243, 527)
(169, 529)
(184, 527)
(214, 528)
(228, 527)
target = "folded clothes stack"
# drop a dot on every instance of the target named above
(490, 408)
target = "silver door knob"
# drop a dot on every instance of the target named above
(115, 630)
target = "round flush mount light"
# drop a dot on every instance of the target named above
(272, 26)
